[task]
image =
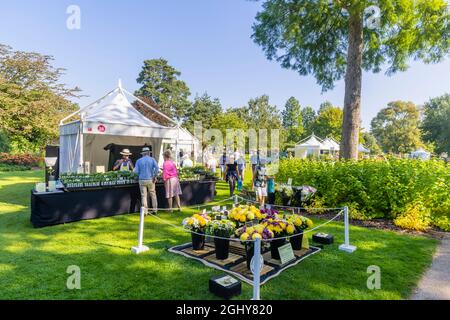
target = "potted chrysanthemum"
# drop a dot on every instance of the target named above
(281, 229)
(197, 224)
(249, 233)
(245, 213)
(300, 223)
(223, 229)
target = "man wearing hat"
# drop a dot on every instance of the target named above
(147, 169)
(124, 164)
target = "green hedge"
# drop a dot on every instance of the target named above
(376, 188)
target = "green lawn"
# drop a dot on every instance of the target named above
(33, 262)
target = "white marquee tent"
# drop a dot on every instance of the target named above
(112, 119)
(363, 149)
(315, 146)
(310, 146)
(330, 145)
(420, 154)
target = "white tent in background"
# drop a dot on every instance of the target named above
(420, 154)
(363, 149)
(310, 146)
(329, 144)
(113, 120)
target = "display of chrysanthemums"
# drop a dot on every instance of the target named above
(253, 232)
(269, 213)
(197, 222)
(242, 214)
(279, 227)
(270, 225)
(300, 222)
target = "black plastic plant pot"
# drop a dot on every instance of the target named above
(198, 241)
(222, 248)
(274, 245)
(296, 241)
(286, 201)
(249, 252)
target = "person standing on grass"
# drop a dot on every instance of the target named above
(231, 174)
(147, 169)
(260, 182)
(241, 166)
(212, 164)
(171, 181)
(223, 164)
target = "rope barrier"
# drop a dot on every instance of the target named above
(239, 240)
(289, 207)
(211, 204)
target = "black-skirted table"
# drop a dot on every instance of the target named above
(51, 208)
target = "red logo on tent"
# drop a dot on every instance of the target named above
(101, 128)
(89, 129)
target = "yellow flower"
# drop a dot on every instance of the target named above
(250, 230)
(259, 228)
(244, 236)
(242, 218)
(256, 235)
(251, 216)
(309, 223)
(290, 229)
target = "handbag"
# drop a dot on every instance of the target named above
(239, 185)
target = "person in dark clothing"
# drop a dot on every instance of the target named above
(223, 164)
(231, 174)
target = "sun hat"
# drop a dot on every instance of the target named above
(145, 149)
(126, 152)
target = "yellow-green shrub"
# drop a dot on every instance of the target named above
(416, 217)
(375, 188)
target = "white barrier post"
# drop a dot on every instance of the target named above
(256, 267)
(140, 247)
(236, 202)
(346, 245)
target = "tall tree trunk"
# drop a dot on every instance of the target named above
(352, 101)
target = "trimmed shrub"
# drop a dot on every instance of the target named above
(376, 188)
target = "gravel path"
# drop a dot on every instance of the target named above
(435, 284)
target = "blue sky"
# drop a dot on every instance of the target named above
(207, 40)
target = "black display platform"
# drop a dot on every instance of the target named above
(53, 208)
(236, 264)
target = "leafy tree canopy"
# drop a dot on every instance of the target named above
(311, 37)
(308, 120)
(396, 127)
(436, 123)
(292, 121)
(328, 122)
(203, 109)
(370, 142)
(160, 82)
(32, 99)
